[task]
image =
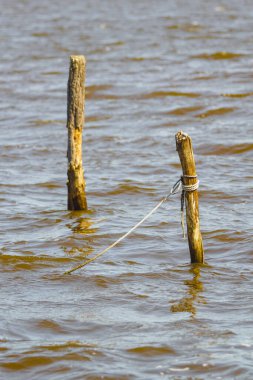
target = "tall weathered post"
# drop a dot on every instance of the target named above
(75, 122)
(189, 179)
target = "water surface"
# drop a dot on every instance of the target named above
(141, 311)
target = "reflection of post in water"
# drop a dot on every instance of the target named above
(195, 286)
(81, 228)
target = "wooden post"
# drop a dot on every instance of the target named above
(185, 152)
(75, 121)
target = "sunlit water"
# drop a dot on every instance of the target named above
(141, 311)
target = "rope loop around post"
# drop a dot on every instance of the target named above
(193, 187)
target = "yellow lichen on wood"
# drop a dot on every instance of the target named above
(75, 122)
(185, 152)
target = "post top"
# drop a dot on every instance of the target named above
(180, 136)
(75, 58)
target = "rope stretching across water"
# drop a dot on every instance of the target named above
(178, 186)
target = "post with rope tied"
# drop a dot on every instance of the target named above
(190, 196)
(75, 121)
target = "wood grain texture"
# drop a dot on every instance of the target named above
(75, 121)
(185, 152)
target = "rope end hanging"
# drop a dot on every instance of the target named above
(182, 210)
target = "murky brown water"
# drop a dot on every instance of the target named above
(141, 311)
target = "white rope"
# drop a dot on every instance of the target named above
(175, 189)
(119, 240)
(179, 186)
(193, 187)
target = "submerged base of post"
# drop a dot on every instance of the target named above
(76, 189)
(185, 152)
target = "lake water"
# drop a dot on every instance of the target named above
(141, 311)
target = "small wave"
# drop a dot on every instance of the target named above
(243, 95)
(27, 362)
(184, 110)
(186, 27)
(53, 73)
(105, 282)
(94, 91)
(131, 189)
(214, 194)
(27, 261)
(42, 34)
(215, 112)
(136, 59)
(42, 122)
(214, 150)
(48, 185)
(47, 324)
(66, 345)
(204, 77)
(162, 94)
(151, 351)
(102, 96)
(92, 119)
(226, 236)
(219, 55)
